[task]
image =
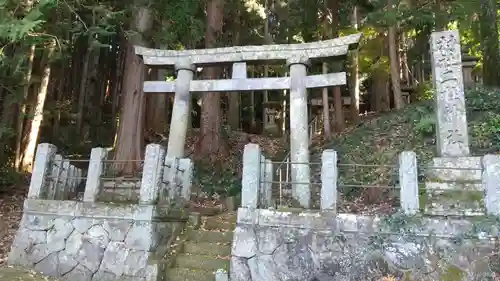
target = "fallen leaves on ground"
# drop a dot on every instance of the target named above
(11, 205)
(9, 273)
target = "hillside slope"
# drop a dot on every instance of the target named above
(379, 140)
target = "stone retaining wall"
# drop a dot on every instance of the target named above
(96, 241)
(92, 241)
(271, 245)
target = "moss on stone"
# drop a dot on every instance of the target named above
(452, 273)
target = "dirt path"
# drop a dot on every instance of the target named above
(11, 206)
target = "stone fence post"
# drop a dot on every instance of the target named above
(491, 183)
(93, 185)
(152, 174)
(251, 176)
(408, 181)
(55, 173)
(172, 182)
(44, 155)
(186, 165)
(329, 176)
(266, 178)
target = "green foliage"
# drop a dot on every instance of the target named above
(426, 125)
(425, 91)
(181, 23)
(380, 140)
(220, 180)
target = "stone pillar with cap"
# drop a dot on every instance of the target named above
(181, 109)
(299, 135)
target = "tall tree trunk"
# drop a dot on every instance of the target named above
(117, 84)
(394, 61)
(326, 106)
(156, 117)
(130, 133)
(82, 93)
(211, 115)
(381, 81)
(381, 91)
(267, 40)
(234, 111)
(253, 121)
(36, 122)
(59, 97)
(355, 83)
(22, 108)
(489, 42)
(324, 95)
(337, 94)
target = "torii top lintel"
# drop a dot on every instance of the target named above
(279, 52)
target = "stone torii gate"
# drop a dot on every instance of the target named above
(297, 56)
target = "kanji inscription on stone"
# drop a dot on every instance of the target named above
(451, 134)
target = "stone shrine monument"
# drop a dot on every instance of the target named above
(454, 177)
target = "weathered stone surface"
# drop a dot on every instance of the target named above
(299, 134)
(452, 134)
(44, 154)
(491, 182)
(459, 169)
(246, 245)
(135, 263)
(239, 270)
(104, 276)
(79, 273)
(152, 174)
(140, 236)
(83, 224)
(91, 253)
(93, 184)
(46, 266)
(351, 249)
(117, 229)
(267, 242)
(248, 84)
(408, 181)
(114, 258)
(329, 177)
(66, 263)
(251, 176)
(96, 245)
(326, 48)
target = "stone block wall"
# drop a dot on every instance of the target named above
(270, 245)
(324, 245)
(96, 241)
(91, 241)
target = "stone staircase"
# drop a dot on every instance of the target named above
(457, 189)
(204, 248)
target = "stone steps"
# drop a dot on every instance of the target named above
(200, 262)
(207, 248)
(454, 187)
(187, 274)
(204, 250)
(209, 236)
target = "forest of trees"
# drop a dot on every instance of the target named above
(69, 75)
